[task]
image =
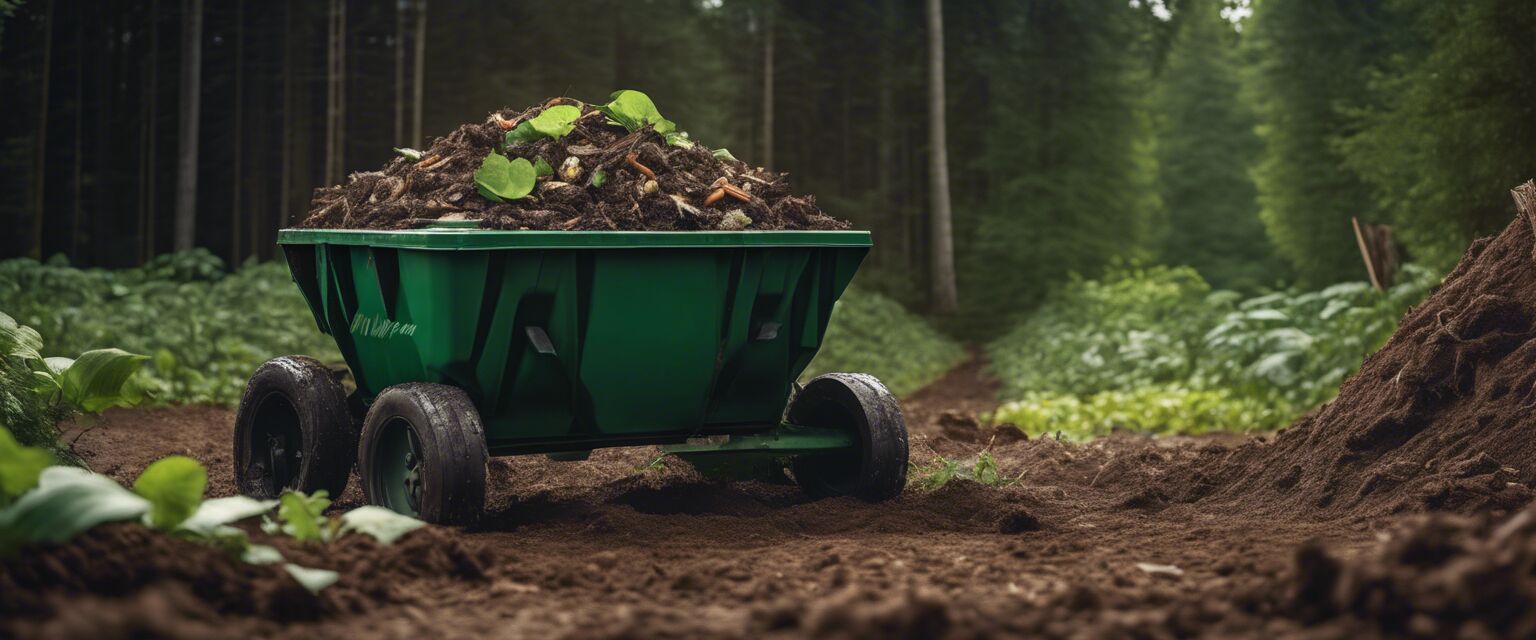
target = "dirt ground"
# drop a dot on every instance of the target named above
(601, 549)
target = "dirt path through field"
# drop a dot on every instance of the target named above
(602, 549)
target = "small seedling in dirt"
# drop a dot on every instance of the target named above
(634, 110)
(174, 488)
(541, 168)
(501, 180)
(981, 469)
(303, 516)
(655, 466)
(724, 154)
(598, 179)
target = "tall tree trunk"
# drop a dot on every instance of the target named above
(399, 140)
(77, 211)
(419, 69)
(336, 98)
(768, 19)
(945, 297)
(151, 152)
(191, 112)
(236, 216)
(39, 166)
(285, 178)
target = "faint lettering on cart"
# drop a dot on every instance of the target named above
(377, 327)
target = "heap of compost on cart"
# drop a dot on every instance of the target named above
(569, 165)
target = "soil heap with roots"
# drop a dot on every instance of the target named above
(1441, 418)
(690, 188)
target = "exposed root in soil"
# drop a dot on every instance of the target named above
(692, 190)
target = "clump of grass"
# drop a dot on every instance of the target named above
(980, 468)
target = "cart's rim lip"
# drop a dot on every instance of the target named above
(467, 238)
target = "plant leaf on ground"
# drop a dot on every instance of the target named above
(981, 469)
(384, 525)
(312, 579)
(20, 466)
(633, 110)
(303, 516)
(174, 488)
(500, 179)
(66, 502)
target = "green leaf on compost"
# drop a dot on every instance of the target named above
(408, 153)
(304, 516)
(542, 168)
(523, 132)
(724, 154)
(212, 514)
(174, 488)
(94, 381)
(556, 121)
(261, 554)
(598, 179)
(633, 110)
(501, 180)
(20, 466)
(66, 502)
(312, 579)
(384, 525)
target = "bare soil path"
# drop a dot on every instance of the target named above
(603, 549)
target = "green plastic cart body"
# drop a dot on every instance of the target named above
(572, 340)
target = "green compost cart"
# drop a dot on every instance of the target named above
(466, 343)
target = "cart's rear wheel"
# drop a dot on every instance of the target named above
(293, 431)
(423, 453)
(876, 468)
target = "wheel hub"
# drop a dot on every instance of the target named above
(413, 478)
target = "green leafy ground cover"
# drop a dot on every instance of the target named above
(206, 330)
(1157, 350)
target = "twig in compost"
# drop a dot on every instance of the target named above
(631, 158)
(505, 124)
(738, 194)
(429, 161)
(714, 196)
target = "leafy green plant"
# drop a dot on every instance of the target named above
(980, 468)
(92, 382)
(1156, 350)
(634, 110)
(554, 122)
(20, 466)
(174, 488)
(501, 180)
(303, 516)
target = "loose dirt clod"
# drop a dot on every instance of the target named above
(645, 180)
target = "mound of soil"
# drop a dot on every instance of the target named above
(650, 185)
(1443, 417)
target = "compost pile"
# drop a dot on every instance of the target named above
(599, 175)
(1441, 418)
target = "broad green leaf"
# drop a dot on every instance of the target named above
(20, 466)
(555, 121)
(633, 110)
(67, 501)
(95, 380)
(174, 487)
(523, 132)
(724, 154)
(312, 579)
(384, 525)
(501, 180)
(19, 341)
(542, 168)
(303, 516)
(57, 365)
(217, 512)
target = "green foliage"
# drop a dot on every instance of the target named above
(303, 516)
(873, 334)
(409, 154)
(599, 178)
(1448, 127)
(66, 502)
(207, 329)
(633, 110)
(174, 488)
(500, 179)
(312, 579)
(1156, 350)
(541, 168)
(1307, 63)
(382, 524)
(1204, 148)
(95, 381)
(20, 466)
(554, 122)
(724, 154)
(980, 468)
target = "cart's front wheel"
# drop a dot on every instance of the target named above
(875, 468)
(293, 430)
(423, 453)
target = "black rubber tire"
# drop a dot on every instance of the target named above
(876, 470)
(293, 402)
(451, 441)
